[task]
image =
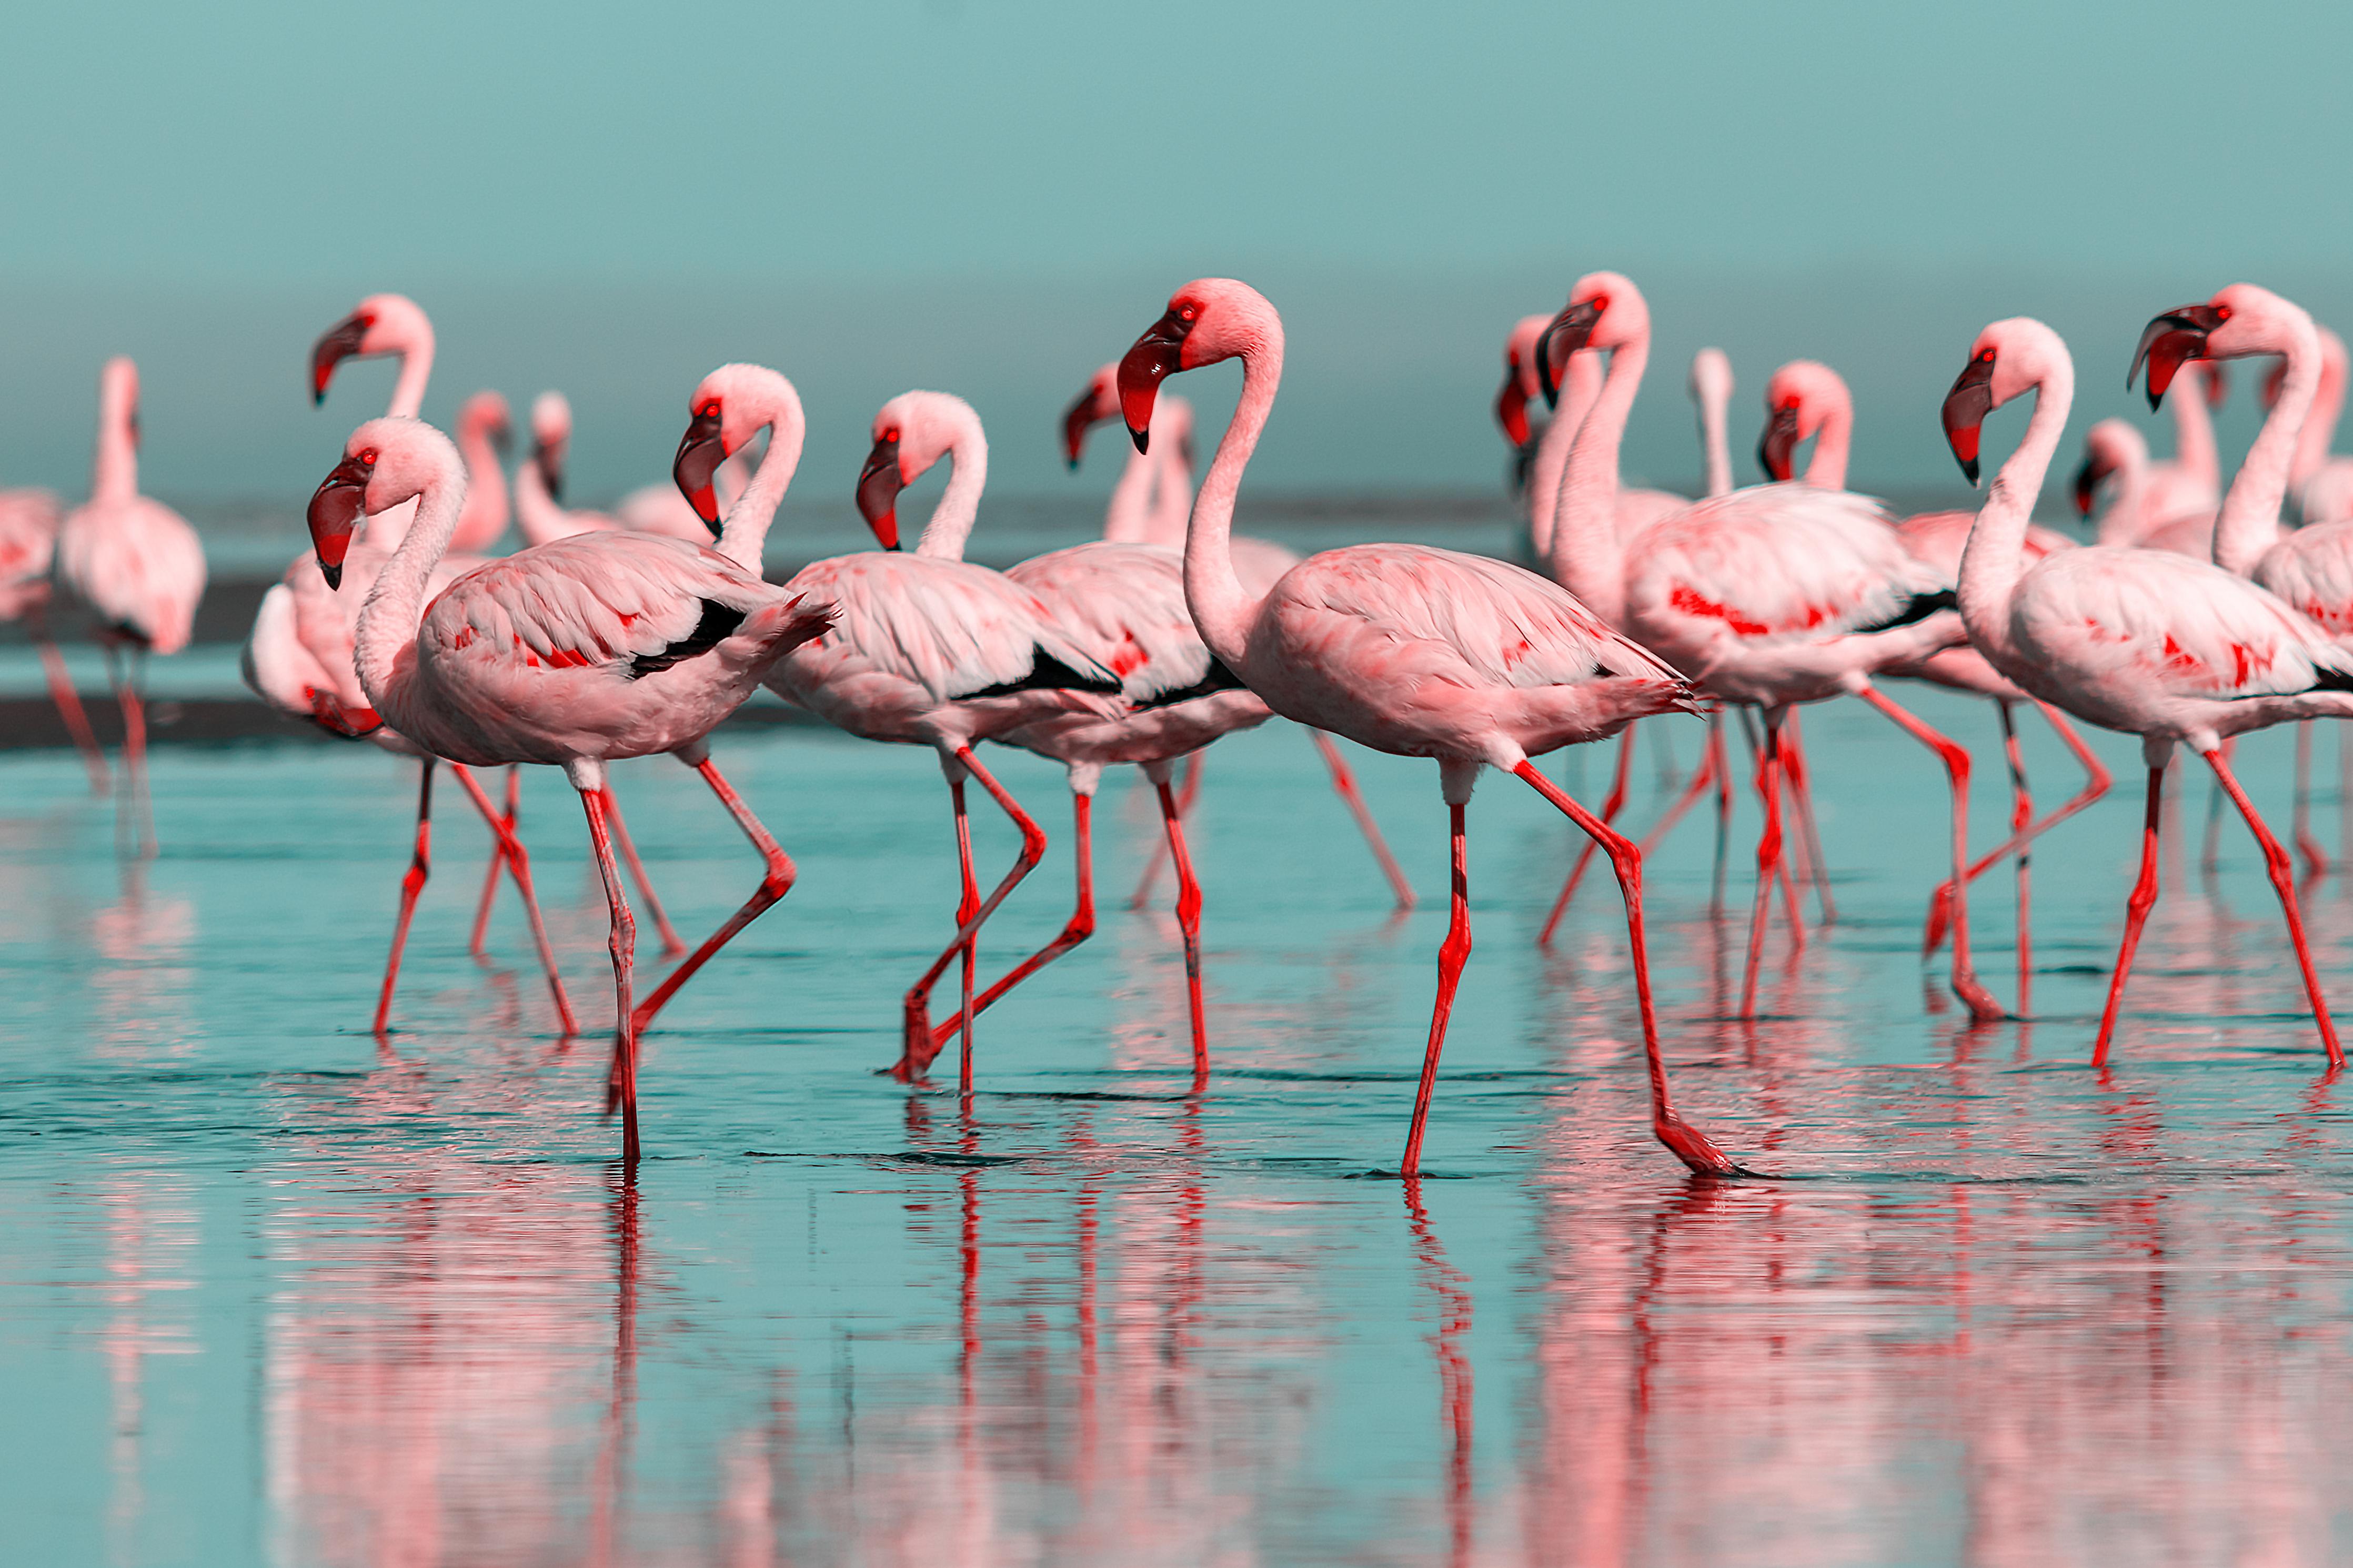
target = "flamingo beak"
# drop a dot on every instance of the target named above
(1512, 404)
(2087, 484)
(699, 452)
(547, 456)
(339, 342)
(879, 484)
(336, 508)
(1777, 447)
(2169, 342)
(1156, 356)
(501, 433)
(1965, 407)
(1570, 330)
(1080, 417)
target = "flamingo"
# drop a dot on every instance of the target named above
(1773, 596)
(1259, 563)
(2158, 505)
(576, 653)
(28, 538)
(2193, 480)
(1411, 650)
(2143, 642)
(2321, 484)
(1518, 391)
(2115, 459)
(929, 649)
(484, 431)
(140, 569)
(1808, 400)
(539, 487)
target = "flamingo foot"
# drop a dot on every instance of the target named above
(1695, 1149)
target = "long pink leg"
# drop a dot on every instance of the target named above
(1768, 857)
(1982, 1008)
(2211, 855)
(622, 1084)
(672, 945)
(1185, 795)
(412, 882)
(2096, 781)
(1189, 922)
(2136, 908)
(2283, 875)
(2316, 860)
(1344, 784)
(1723, 804)
(2022, 812)
(1809, 835)
(67, 700)
(1687, 1143)
(1611, 806)
(1451, 955)
(506, 822)
(507, 850)
(1080, 925)
(918, 1050)
(776, 877)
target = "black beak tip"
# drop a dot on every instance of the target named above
(1072, 463)
(318, 398)
(2155, 398)
(893, 549)
(1143, 439)
(333, 574)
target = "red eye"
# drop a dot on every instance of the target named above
(1187, 313)
(891, 434)
(367, 319)
(709, 410)
(2223, 311)
(367, 458)
(1985, 358)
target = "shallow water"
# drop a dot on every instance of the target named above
(276, 1293)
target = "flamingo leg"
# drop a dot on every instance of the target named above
(2316, 860)
(1809, 835)
(2283, 875)
(622, 1084)
(776, 876)
(1078, 929)
(1687, 1143)
(508, 848)
(412, 883)
(1768, 857)
(1188, 920)
(135, 811)
(2344, 794)
(1142, 898)
(2022, 812)
(502, 829)
(1344, 785)
(672, 945)
(67, 700)
(1982, 1008)
(1723, 804)
(2136, 908)
(2096, 783)
(2211, 855)
(1611, 806)
(1451, 955)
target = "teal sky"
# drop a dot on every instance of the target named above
(993, 197)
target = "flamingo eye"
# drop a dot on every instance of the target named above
(1985, 358)
(891, 434)
(709, 410)
(1187, 313)
(367, 458)
(1600, 301)
(2223, 311)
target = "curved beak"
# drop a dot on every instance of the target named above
(338, 343)
(2087, 484)
(1079, 419)
(549, 460)
(879, 484)
(1512, 404)
(501, 435)
(1776, 449)
(699, 452)
(336, 508)
(1569, 332)
(1965, 407)
(2168, 343)
(1156, 356)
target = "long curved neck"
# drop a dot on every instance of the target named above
(1996, 553)
(1222, 608)
(2249, 523)
(1713, 444)
(415, 370)
(114, 474)
(959, 504)
(2125, 520)
(743, 536)
(1832, 442)
(537, 513)
(1128, 519)
(485, 517)
(1581, 383)
(1587, 558)
(2193, 432)
(2319, 432)
(388, 622)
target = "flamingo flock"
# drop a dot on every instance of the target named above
(2197, 615)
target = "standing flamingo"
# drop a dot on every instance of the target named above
(1259, 563)
(539, 487)
(140, 569)
(929, 649)
(2140, 641)
(2114, 466)
(28, 540)
(484, 431)
(1773, 596)
(2158, 505)
(1411, 651)
(575, 653)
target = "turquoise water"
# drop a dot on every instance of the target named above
(279, 1293)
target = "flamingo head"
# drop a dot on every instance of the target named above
(1605, 311)
(1097, 404)
(1519, 378)
(732, 405)
(385, 462)
(912, 432)
(1711, 376)
(379, 324)
(550, 439)
(1208, 319)
(2238, 320)
(2007, 359)
(1802, 396)
(487, 414)
(2110, 447)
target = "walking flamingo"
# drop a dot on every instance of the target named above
(576, 653)
(1411, 651)
(929, 649)
(2158, 505)
(2140, 641)
(140, 569)
(1775, 595)
(1258, 562)
(28, 540)
(539, 487)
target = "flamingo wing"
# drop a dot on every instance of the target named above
(2311, 569)
(1125, 605)
(1783, 561)
(954, 628)
(2128, 615)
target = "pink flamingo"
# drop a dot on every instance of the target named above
(1518, 391)
(2193, 480)
(576, 653)
(484, 431)
(140, 569)
(2158, 505)
(2140, 641)
(2321, 485)
(1260, 564)
(1776, 595)
(2116, 462)
(1808, 400)
(1411, 651)
(932, 651)
(28, 538)
(539, 487)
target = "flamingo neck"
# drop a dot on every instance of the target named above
(388, 622)
(1712, 439)
(1128, 519)
(959, 504)
(744, 537)
(115, 474)
(2193, 432)
(1832, 442)
(415, 370)
(1587, 558)
(538, 514)
(2319, 432)
(1222, 609)
(2123, 522)
(485, 517)
(2250, 520)
(1995, 555)
(1581, 383)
